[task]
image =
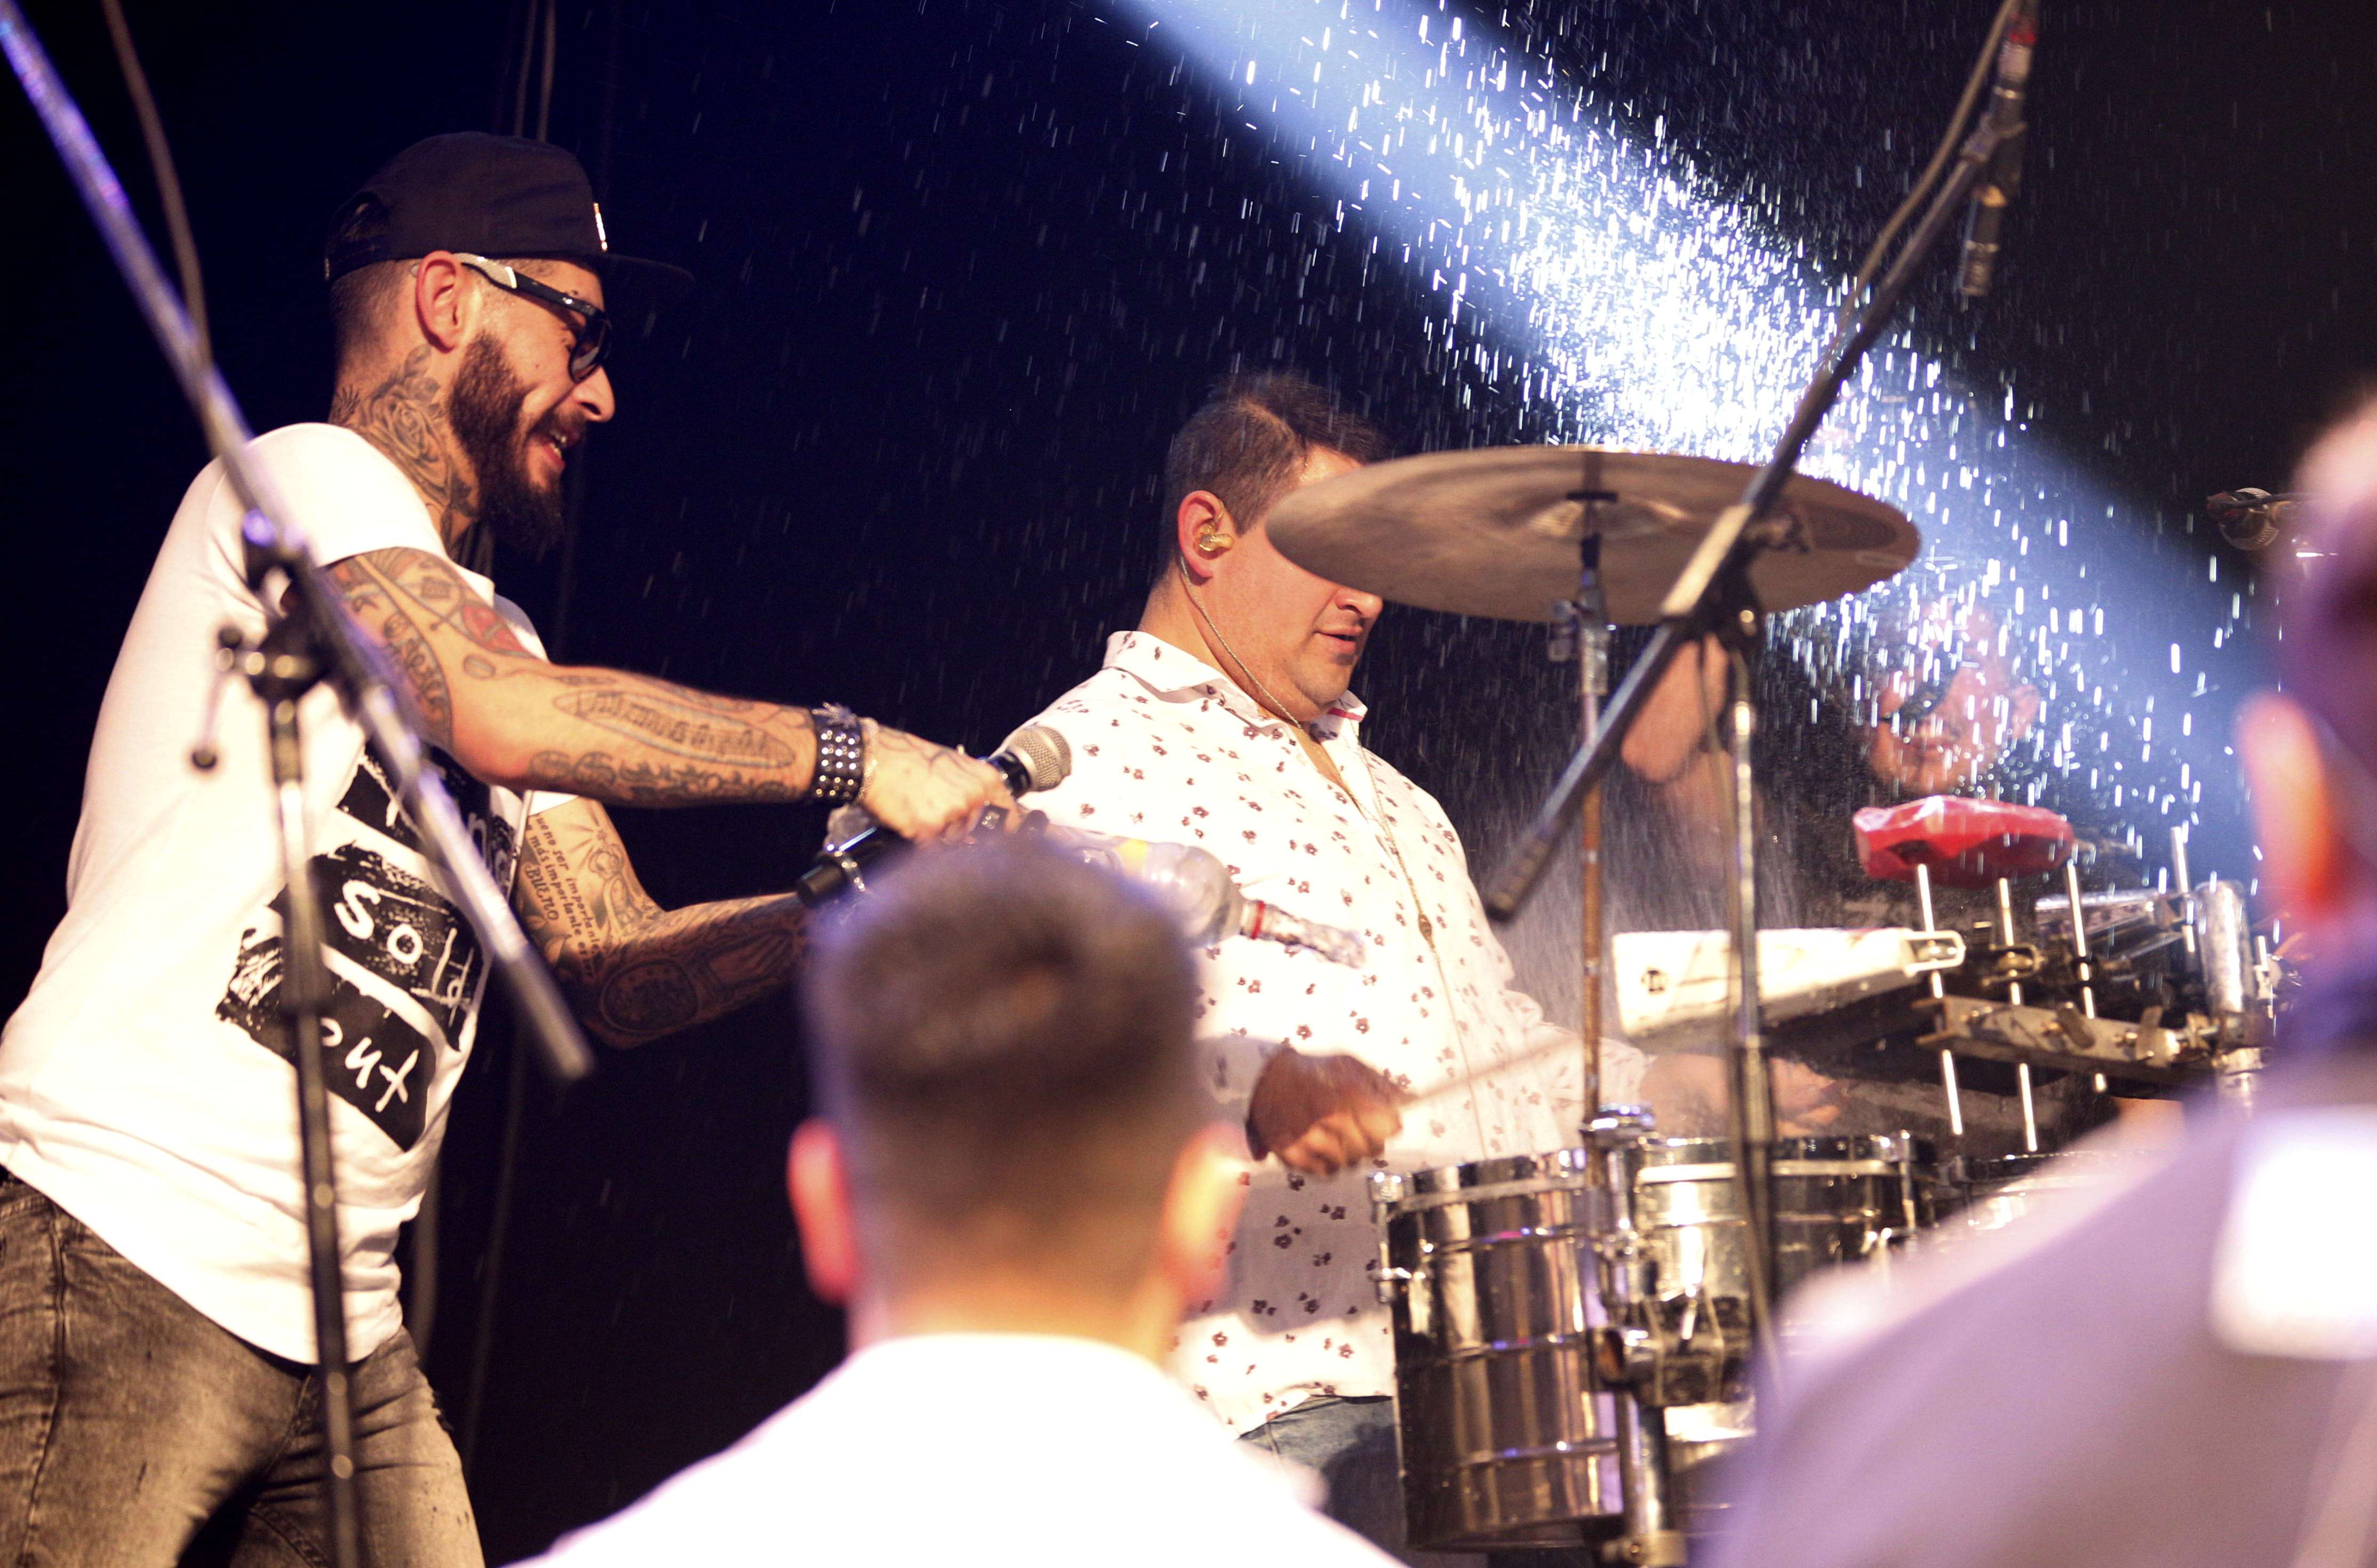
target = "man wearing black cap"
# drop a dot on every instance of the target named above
(156, 1339)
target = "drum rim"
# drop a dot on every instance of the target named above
(1553, 1170)
(1842, 1149)
(2074, 1164)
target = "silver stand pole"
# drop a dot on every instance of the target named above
(2013, 996)
(2085, 971)
(1591, 681)
(1751, 1103)
(1940, 989)
(282, 671)
(1652, 1539)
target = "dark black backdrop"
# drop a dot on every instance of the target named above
(897, 452)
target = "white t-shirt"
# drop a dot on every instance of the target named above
(981, 1448)
(146, 1085)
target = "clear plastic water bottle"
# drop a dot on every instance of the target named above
(1198, 885)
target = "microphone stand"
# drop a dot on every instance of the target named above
(310, 638)
(1713, 597)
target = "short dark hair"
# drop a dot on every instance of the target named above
(1249, 439)
(1001, 1035)
(359, 299)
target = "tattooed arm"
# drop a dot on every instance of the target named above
(632, 970)
(513, 719)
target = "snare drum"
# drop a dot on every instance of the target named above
(1487, 1269)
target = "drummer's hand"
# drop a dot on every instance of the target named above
(1320, 1115)
(1687, 1091)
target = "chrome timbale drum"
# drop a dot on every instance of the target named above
(1997, 1193)
(1836, 1200)
(1487, 1269)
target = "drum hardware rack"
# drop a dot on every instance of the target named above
(2198, 987)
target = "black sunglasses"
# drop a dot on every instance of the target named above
(590, 341)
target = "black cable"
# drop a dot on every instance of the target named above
(1959, 124)
(161, 169)
(519, 125)
(544, 86)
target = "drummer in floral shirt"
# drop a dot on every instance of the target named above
(1224, 721)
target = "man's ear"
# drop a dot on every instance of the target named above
(445, 301)
(1202, 530)
(818, 1178)
(1200, 1209)
(2304, 851)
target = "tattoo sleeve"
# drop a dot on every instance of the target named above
(514, 718)
(633, 970)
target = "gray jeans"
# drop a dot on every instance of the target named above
(136, 1433)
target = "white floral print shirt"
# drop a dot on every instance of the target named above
(1168, 748)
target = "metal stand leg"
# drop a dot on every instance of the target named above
(1650, 1539)
(2086, 971)
(2013, 996)
(1651, 1536)
(281, 670)
(1947, 1058)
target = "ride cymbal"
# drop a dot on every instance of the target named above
(1497, 531)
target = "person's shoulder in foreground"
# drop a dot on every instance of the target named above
(2083, 1400)
(893, 1460)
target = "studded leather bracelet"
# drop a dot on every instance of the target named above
(841, 771)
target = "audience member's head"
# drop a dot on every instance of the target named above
(1011, 1134)
(2311, 751)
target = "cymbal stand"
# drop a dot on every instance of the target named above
(1581, 631)
(1750, 1108)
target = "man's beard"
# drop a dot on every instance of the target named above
(485, 410)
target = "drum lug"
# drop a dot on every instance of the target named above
(1390, 1283)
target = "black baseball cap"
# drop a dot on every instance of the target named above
(498, 196)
